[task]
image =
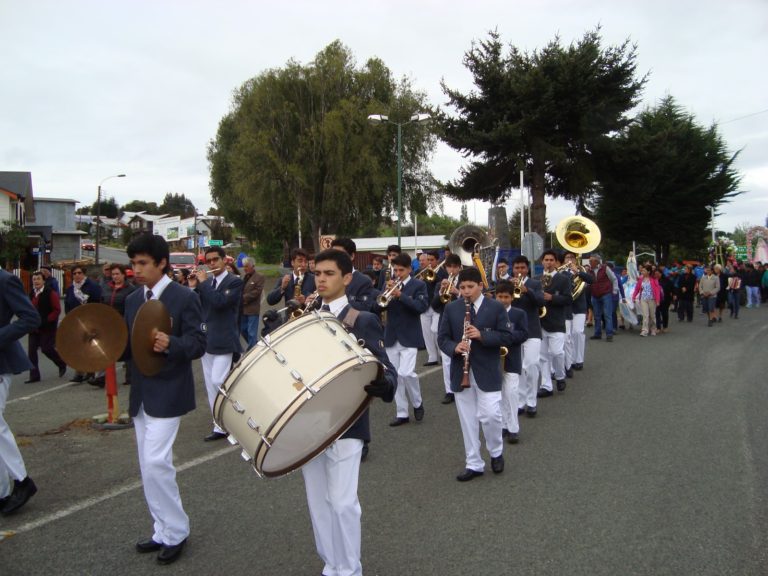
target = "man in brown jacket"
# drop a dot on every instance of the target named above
(251, 305)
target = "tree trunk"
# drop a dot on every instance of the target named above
(538, 204)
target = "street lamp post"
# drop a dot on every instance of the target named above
(415, 119)
(98, 214)
(712, 219)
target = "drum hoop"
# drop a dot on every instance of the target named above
(281, 418)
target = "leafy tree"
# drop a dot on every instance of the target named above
(464, 218)
(177, 205)
(13, 243)
(108, 209)
(662, 172)
(739, 234)
(298, 137)
(548, 113)
(141, 206)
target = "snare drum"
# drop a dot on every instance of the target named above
(295, 392)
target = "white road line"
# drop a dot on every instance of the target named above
(30, 396)
(88, 502)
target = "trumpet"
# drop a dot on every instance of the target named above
(297, 286)
(386, 297)
(429, 274)
(517, 291)
(311, 303)
(445, 294)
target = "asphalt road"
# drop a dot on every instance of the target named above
(652, 462)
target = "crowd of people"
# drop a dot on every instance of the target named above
(501, 344)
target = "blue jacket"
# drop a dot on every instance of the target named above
(368, 328)
(361, 293)
(14, 302)
(221, 309)
(277, 294)
(560, 289)
(403, 316)
(530, 302)
(171, 392)
(89, 287)
(484, 356)
(514, 360)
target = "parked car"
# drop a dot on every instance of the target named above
(181, 260)
(88, 245)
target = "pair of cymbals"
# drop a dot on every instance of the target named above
(93, 336)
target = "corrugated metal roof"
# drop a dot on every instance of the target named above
(408, 243)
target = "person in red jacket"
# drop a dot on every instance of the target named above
(47, 303)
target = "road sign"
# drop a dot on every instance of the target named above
(215, 242)
(741, 253)
(533, 246)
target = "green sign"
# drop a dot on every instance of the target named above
(215, 242)
(741, 252)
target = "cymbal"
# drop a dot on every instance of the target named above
(91, 337)
(151, 318)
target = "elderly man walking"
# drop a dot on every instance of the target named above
(253, 286)
(603, 288)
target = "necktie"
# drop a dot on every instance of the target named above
(214, 283)
(325, 308)
(149, 295)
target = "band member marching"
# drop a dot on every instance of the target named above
(360, 292)
(447, 292)
(531, 302)
(512, 362)
(430, 318)
(406, 299)
(472, 331)
(158, 402)
(294, 286)
(574, 355)
(557, 297)
(393, 251)
(331, 478)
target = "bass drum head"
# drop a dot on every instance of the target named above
(311, 425)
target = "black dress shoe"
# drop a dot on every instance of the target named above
(504, 432)
(468, 475)
(213, 436)
(513, 438)
(595, 337)
(497, 464)
(99, 382)
(78, 378)
(520, 411)
(578, 366)
(569, 372)
(148, 545)
(544, 393)
(62, 370)
(31, 380)
(530, 412)
(560, 385)
(432, 363)
(449, 398)
(399, 421)
(609, 338)
(418, 413)
(169, 554)
(23, 490)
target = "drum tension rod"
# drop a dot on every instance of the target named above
(348, 346)
(256, 428)
(279, 357)
(300, 381)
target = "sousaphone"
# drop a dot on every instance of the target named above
(579, 235)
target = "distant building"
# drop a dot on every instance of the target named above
(56, 216)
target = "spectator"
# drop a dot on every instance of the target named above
(662, 311)
(253, 287)
(50, 279)
(722, 293)
(686, 287)
(752, 281)
(709, 286)
(116, 292)
(647, 296)
(82, 291)
(48, 305)
(602, 297)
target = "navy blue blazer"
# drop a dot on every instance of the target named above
(530, 302)
(221, 310)
(403, 316)
(171, 392)
(361, 293)
(277, 294)
(14, 302)
(514, 360)
(580, 304)
(560, 288)
(368, 328)
(485, 355)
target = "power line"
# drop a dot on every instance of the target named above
(746, 116)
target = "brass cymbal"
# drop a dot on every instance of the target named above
(151, 318)
(91, 337)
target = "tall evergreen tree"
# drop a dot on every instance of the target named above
(548, 113)
(661, 173)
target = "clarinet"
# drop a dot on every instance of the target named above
(464, 338)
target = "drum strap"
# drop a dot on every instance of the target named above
(350, 318)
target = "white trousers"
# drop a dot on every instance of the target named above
(446, 372)
(404, 361)
(578, 337)
(155, 438)
(477, 408)
(11, 462)
(509, 399)
(215, 370)
(568, 344)
(330, 480)
(529, 379)
(552, 355)
(428, 319)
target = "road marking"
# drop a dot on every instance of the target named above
(30, 396)
(89, 502)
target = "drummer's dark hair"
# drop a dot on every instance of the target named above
(343, 261)
(152, 245)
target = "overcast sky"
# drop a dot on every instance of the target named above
(95, 88)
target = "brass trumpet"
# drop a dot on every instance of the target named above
(445, 294)
(386, 297)
(517, 292)
(311, 303)
(429, 274)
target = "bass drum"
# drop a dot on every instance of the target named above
(295, 392)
